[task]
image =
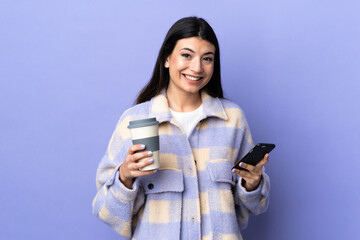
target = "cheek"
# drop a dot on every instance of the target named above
(175, 68)
(178, 64)
(210, 70)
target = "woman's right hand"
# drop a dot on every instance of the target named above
(129, 169)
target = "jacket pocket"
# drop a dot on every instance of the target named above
(220, 198)
(220, 171)
(161, 218)
(163, 181)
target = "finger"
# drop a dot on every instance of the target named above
(243, 173)
(248, 167)
(140, 155)
(249, 175)
(139, 173)
(134, 148)
(263, 161)
(252, 179)
(143, 163)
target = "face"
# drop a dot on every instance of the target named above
(191, 65)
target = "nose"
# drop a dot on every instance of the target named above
(196, 65)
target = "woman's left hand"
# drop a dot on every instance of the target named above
(252, 177)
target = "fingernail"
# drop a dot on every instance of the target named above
(151, 160)
(241, 164)
(234, 170)
(142, 146)
(149, 153)
(155, 170)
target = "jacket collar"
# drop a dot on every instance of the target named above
(159, 107)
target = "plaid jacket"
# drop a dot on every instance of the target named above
(194, 195)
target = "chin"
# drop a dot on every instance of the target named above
(192, 90)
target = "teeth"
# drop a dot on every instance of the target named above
(192, 78)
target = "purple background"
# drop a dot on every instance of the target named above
(68, 69)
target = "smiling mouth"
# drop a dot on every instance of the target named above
(192, 78)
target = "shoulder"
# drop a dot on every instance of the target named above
(234, 113)
(232, 109)
(135, 112)
(138, 109)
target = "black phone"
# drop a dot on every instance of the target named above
(254, 156)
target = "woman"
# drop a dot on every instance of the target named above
(194, 194)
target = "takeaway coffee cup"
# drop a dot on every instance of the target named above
(145, 131)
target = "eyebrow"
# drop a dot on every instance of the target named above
(207, 53)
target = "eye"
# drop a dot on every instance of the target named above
(186, 55)
(208, 59)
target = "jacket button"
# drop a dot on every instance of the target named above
(150, 186)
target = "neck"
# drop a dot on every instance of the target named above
(183, 102)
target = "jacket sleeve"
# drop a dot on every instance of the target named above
(254, 202)
(115, 204)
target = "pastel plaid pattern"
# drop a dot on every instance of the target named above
(194, 195)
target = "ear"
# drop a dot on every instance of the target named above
(166, 64)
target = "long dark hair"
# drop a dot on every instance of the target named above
(183, 28)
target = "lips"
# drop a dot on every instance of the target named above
(192, 78)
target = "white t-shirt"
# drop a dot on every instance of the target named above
(188, 120)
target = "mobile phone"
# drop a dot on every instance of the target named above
(254, 156)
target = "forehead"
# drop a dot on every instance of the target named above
(196, 44)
